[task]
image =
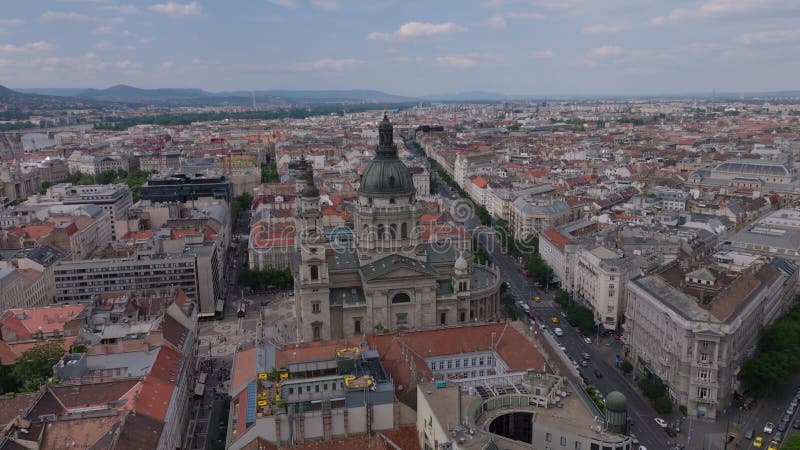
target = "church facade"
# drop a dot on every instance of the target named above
(389, 279)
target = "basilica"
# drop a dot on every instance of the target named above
(390, 278)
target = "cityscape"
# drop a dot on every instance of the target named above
(343, 224)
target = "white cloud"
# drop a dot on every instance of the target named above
(12, 22)
(104, 45)
(71, 16)
(418, 29)
(500, 20)
(166, 66)
(493, 3)
(606, 51)
(38, 46)
(558, 4)
(542, 54)
(284, 3)
(770, 37)
(105, 29)
(327, 5)
(175, 9)
(602, 29)
(122, 9)
(715, 8)
(456, 62)
(325, 65)
(88, 62)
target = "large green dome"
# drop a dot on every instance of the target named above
(386, 174)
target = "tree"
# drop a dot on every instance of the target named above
(626, 366)
(35, 366)
(562, 297)
(662, 405)
(242, 203)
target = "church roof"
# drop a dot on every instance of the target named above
(387, 264)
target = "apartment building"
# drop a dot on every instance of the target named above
(115, 199)
(693, 328)
(600, 277)
(11, 290)
(531, 215)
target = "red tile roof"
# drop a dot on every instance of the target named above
(556, 238)
(26, 321)
(154, 397)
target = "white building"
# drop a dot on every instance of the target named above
(600, 277)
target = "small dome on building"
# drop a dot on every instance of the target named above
(462, 265)
(616, 401)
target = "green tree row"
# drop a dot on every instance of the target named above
(134, 179)
(776, 358)
(656, 392)
(269, 173)
(260, 279)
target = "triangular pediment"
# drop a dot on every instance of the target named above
(396, 266)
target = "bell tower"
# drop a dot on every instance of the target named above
(312, 284)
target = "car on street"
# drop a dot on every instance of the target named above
(796, 424)
(585, 355)
(561, 346)
(661, 422)
(786, 418)
(563, 314)
(778, 436)
(769, 427)
(749, 433)
(758, 442)
(783, 425)
(587, 340)
(599, 374)
(558, 332)
(537, 299)
(554, 319)
(773, 445)
(642, 447)
(584, 363)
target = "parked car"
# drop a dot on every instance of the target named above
(782, 426)
(587, 340)
(758, 442)
(773, 445)
(778, 437)
(796, 424)
(769, 427)
(661, 422)
(749, 433)
(585, 355)
(598, 374)
(558, 332)
(584, 363)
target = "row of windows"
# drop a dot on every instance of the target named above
(463, 362)
(333, 386)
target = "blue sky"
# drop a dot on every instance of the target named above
(531, 47)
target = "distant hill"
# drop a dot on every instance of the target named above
(472, 95)
(195, 97)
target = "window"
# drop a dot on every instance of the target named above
(291, 390)
(577, 445)
(325, 386)
(564, 441)
(315, 308)
(391, 199)
(404, 230)
(474, 361)
(316, 388)
(548, 437)
(703, 392)
(441, 365)
(449, 364)
(462, 316)
(458, 364)
(380, 231)
(401, 297)
(314, 273)
(393, 231)
(466, 362)
(401, 318)
(703, 374)
(308, 388)
(357, 326)
(443, 319)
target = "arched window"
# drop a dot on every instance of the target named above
(380, 231)
(314, 272)
(365, 232)
(316, 329)
(404, 230)
(401, 297)
(393, 231)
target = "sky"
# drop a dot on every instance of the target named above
(405, 47)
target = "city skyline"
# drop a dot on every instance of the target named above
(528, 48)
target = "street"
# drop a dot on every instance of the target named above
(602, 353)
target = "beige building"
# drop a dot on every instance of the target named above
(694, 329)
(600, 277)
(390, 278)
(531, 215)
(11, 289)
